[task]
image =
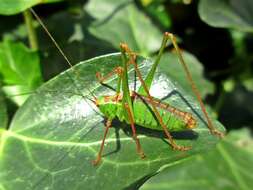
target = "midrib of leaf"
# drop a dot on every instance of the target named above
(232, 166)
(7, 134)
(176, 184)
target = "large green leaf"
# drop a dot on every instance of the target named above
(121, 21)
(57, 133)
(20, 69)
(173, 69)
(227, 13)
(10, 7)
(229, 166)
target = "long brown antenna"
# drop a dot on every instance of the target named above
(57, 46)
(194, 87)
(51, 37)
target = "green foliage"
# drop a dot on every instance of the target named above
(3, 112)
(229, 166)
(171, 66)
(9, 7)
(121, 21)
(237, 78)
(227, 14)
(20, 70)
(57, 133)
(157, 10)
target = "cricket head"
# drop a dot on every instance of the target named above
(124, 47)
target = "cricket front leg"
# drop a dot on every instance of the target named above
(99, 156)
(210, 125)
(127, 102)
(118, 71)
(137, 142)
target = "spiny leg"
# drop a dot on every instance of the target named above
(158, 116)
(101, 78)
(127, 101)
(118, 70)
(194, 87)
(138, 145)
(99, 156)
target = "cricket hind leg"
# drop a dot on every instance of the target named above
(210, 125)
(137, 142)
(157, 114)
(99, 156)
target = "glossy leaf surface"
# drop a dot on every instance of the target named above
(121, 21)
(20, 70)
(57, 133)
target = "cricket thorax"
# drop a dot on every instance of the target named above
(111, 106)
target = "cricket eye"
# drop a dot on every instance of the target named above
(192, 124)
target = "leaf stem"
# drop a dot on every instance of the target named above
(32, 36)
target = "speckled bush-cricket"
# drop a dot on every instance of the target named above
(131, 106)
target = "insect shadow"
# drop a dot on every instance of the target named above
(118, 125)
(179, 94)
(126, 128)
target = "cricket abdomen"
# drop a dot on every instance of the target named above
(174, 119)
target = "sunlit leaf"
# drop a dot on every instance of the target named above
(121, 21)
(57, 133)
(20, 69)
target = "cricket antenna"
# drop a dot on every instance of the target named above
(58, 46)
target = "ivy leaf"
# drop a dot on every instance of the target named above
(8, 7)
(20, 70)
(173, 69)
(227, 14)
(121, 21)
(228, 166)
(57, 133)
